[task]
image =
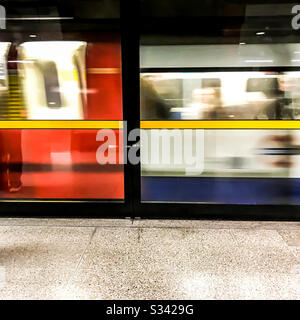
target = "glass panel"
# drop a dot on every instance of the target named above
(219, 63)
(61, 62)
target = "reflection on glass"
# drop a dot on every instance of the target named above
(220, 95)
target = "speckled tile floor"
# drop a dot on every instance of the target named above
(143, 259)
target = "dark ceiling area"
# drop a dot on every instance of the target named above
(217, 21)
(159, 21)
(196, 8)
(78, 9)
(58, 19)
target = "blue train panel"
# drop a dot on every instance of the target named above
(221, 190)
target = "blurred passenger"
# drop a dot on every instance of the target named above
(215, 110)
(3, 180)
(208, 103)
(275, 106)
(11, 160)
(153, 107)
(257, 103)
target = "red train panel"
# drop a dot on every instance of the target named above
(62, 163)
(104, 82)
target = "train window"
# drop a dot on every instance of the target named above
(262, 85)
(232, 95)
(211, 83)
(220, 166)
(50, 75)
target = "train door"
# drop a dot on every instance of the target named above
(53, 78)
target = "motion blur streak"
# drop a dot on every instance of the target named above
(55, 95)
(251, 142)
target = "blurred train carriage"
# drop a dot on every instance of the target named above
(60, 80)
(81, 80)
(222, 83)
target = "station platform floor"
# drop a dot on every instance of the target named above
(148, 259)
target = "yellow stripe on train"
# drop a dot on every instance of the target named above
(61, 124)
(221, 124)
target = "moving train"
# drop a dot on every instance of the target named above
(59, 80)
(221, 83)
(78, 80)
